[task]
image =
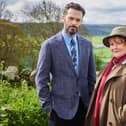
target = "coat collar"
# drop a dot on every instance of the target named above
(119, 71)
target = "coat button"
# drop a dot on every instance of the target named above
(111, 100)
(110, 123)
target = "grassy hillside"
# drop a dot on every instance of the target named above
(99, 29)
(99, 49)
(101, 53)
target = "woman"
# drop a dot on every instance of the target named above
(108, 103)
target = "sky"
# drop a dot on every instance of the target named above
(97, 11)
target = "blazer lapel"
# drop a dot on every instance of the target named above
(61, 46)
(79, 55)
(82, 51)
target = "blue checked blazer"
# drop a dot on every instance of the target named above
(66, 86)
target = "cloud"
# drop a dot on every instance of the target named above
(16, 6)
(105, 12)
(97, 11)
(105, 17)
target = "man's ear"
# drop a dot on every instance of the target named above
(62, 18)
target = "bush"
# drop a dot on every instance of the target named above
(100, 64)
(20, 106)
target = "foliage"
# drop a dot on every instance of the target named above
(16, 45)
(20, 106)
(29, 51)
(96, 40)
(43, 11)
(10, 35)
(102, 54)
(100, 51)
(43, 18)
(100, 64)
(41, 30)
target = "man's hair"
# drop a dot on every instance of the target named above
(75, 6)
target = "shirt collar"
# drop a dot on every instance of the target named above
(68, 37)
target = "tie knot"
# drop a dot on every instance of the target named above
(72, 42)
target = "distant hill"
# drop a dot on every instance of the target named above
(100, 29)
(54, 27)
(89, 29)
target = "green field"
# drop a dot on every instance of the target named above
(102, 54)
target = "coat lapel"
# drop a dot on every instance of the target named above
(92, 100)
(119, 71)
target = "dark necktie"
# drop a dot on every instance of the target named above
(73, 53)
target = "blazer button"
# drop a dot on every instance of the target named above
(77, 92)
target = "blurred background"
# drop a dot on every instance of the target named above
(24, 25)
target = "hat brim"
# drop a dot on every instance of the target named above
(106, 39)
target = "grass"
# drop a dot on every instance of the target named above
(101, 52)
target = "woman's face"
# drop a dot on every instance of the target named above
(117, 46)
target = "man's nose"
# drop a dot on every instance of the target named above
(74, 22)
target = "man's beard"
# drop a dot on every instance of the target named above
(71, 30)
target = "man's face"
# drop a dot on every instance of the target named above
(72, 21)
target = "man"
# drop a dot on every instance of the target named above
(68, 57)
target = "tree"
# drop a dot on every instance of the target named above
(10, 37)
(2, 8)
(4, 12)
(43, 12)
(47, 14)
(17, 47)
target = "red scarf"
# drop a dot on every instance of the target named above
(108, 69)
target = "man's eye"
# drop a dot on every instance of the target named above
(71, 18)
(78, 20)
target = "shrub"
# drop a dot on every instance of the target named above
(20, 106)
(100, 64)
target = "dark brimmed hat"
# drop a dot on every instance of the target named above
(117, 31)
